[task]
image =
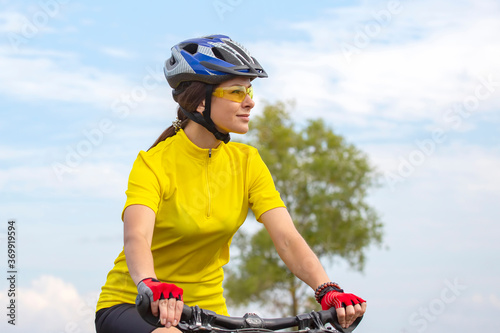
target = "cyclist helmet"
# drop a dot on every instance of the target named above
(212, 60)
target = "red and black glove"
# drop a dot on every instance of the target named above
(338, 299)
(330, 295)
(159, 290)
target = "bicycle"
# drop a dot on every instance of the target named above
(196, 320)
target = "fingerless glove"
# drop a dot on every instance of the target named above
(339, 299)
(159, 290)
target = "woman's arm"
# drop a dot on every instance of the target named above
(139, 221)
(292, 248)
(301, 260)
(139, 224)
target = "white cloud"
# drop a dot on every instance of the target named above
(446, 206)
(48, 75)
(44, 78)
(21, 26)
(9, 154)
(441, 60)
(117, 53)
(449, 169)
(11, 21)
(50, 304)
(94, 180)
(494, 300)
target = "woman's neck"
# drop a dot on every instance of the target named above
(200, 136)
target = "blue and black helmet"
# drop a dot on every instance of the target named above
(210, 59)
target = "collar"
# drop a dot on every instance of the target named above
(193, 151)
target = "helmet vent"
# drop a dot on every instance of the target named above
(242, 52)
(191, 48)
(222, 54)
(217, 53)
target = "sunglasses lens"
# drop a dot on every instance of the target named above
(235, 94)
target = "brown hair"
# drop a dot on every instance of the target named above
(192, 94)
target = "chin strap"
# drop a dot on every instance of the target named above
(205, 120)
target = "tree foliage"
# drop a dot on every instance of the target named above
(323, 181)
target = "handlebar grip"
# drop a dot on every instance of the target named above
(331, 317)
(143, 306)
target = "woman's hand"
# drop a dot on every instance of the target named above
(166, 299)
(348, 306)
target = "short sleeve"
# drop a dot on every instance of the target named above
(263, 195)
(144, 187)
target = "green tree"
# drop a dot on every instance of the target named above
(323, 181)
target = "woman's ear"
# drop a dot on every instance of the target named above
(201, 107)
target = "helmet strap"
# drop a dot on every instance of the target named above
(204, 119)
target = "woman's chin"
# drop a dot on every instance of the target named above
(240, 130)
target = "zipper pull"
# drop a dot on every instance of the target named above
(210, 153)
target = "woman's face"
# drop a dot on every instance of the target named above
(230, 116)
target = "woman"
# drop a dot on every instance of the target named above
(191, 191)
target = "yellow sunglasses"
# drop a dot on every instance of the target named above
(234, 93)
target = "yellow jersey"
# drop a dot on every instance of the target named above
(201, 197)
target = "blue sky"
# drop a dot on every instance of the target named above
(414, 84)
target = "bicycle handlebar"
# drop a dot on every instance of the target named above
(194, 319)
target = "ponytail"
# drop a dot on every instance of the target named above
(188, 95)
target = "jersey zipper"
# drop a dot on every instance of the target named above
(209, 206)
